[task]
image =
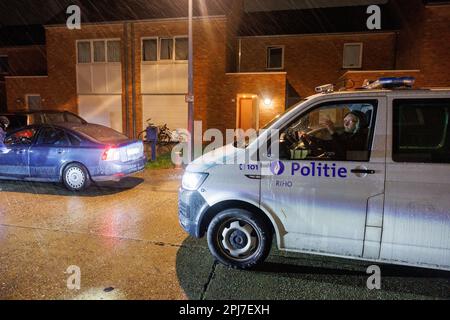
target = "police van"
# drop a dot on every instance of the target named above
(361, 174)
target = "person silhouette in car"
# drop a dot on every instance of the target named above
(346, 144)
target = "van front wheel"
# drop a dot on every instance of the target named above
(239, 238)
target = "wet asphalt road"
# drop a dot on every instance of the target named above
(126, 239)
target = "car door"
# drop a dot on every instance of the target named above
(48, 154)
(329, 205)
(14, 156)
(417, 214)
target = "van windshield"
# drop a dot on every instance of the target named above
(269, 124)
(244, 143)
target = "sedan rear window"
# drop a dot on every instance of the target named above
(101, 134)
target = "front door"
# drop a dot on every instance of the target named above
(247, 113)
(327, 188)
(14, 156)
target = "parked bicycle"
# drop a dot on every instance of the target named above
(165, 135)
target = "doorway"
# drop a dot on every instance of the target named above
(247, 112)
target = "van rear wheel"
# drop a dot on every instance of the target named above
(239, 238)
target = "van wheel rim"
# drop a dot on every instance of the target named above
(75, 178)
(238, 240)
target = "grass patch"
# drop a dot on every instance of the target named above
(164, 161)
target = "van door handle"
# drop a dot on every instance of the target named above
(253, 177)
(60, 151)
(363, 171)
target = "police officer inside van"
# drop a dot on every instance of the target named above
(348, 145)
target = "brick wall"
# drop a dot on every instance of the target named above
(411, 16)
(26, 61)
(23, 61)
(424, 40)
(313, 60)
(264, 85)
(59, 89)
(2, 96)
(435, 46)
(358, 77)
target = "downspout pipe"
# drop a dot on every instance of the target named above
(133, 79)
(126, 69)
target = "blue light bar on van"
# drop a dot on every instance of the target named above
(391, 83)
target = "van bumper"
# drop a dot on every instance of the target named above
(191, 207)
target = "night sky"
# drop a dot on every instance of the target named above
(13, 12)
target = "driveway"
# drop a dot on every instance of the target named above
(126, 242)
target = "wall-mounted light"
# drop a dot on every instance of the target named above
(267, 102)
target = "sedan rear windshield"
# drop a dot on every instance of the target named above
(102, 134)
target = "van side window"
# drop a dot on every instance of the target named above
(421, 131)
(339, 131)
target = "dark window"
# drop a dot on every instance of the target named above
(74, 141)
(150, 50)
(421, 131)
(181, 49)
(99, 51)
(34, 102)
(84, 52)
(166, 49)
(113, 51)
(53, 136)
(4, 64)
(275, 57)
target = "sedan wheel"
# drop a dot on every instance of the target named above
(75, 177)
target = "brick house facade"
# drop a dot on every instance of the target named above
(232, 80)
(20, 61)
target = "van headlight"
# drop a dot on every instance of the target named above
(192, 181)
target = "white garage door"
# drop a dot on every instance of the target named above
(166, 109)
(102, 109)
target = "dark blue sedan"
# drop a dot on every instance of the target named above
(72, 153)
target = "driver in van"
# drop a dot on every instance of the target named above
(353, 139)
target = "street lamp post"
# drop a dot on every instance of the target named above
(190, 97)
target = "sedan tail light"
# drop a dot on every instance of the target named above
(111, 154)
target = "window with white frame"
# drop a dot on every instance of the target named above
(98, 51)
(98, 66)
(150, 49)
(113, 47)
(34, 101)
(181, 49)
(165, 49)
(275, 58)
(352, 55)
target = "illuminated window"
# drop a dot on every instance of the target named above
(352, 55)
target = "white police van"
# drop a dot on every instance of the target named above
(384, 198)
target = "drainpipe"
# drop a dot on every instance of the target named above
(125, 60)
(133, 79)
(240, 55)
